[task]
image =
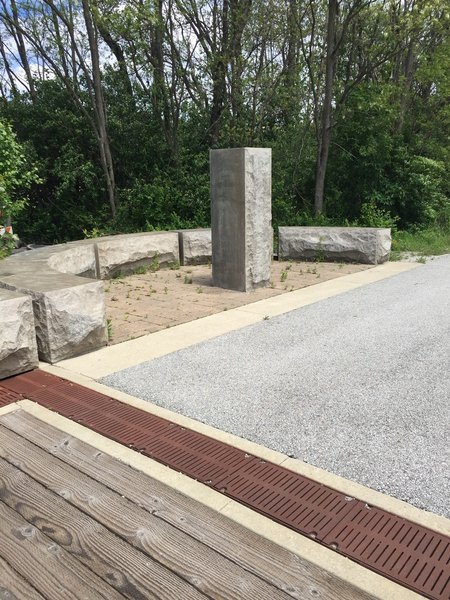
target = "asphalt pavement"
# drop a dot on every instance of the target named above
(358, 384)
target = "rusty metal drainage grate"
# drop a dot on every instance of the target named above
(8, 397)
(409, 554)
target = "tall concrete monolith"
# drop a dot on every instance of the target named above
(241, 217)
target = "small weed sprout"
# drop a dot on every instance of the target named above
(200, 290)
(175, 266)
(109, 329)
(166, 289)
(187, 279)
(142, 270)
(284, 275)
(320, 254)
(154, 265)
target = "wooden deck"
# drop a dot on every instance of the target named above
(76, 523)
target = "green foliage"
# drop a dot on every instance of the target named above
(175, 199)
(372, 216)
(16, 175)
(109, 329)
(389, 153)
(426, 242)
(69, 198)
(7, 244)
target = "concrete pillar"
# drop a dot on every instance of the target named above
(241, 217)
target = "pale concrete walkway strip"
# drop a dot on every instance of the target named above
(111, 359)
(311, 551)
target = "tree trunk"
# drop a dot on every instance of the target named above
(116, 49)
(160, 94)
(22, 50)
(100, 110)
(8, 69)
(324, 140)
(239, 14)
(218, 78)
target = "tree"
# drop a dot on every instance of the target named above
(50, 29)
(16, 176)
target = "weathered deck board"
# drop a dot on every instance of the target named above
(297, 577)
(45, 565)
(13, 586)
(120, 565)
(210, 572)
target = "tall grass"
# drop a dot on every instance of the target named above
(425, 242)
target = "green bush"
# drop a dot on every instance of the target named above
(16, 175)
(372, 216)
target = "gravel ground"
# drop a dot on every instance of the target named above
(358, 384)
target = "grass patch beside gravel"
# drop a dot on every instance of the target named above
(424, 242)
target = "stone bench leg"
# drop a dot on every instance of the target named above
(18, 349)
(70, 321)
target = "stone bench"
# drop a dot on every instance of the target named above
(67, 296)
(195, 246)
(18, 350)
(367, 245)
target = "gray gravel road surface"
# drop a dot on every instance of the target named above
(358, 384)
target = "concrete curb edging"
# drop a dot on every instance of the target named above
(111, 359)
(348, 571)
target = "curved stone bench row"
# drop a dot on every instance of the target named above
(67, 296)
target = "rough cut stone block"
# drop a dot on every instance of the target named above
(18, 350)
(69, 312)
(366, 245)
(241, 180)
(125, 253)
(77, 258)
(195, 246)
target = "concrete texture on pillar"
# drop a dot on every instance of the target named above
(18, 350)
(241, 222)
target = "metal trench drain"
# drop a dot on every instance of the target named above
(407, 553)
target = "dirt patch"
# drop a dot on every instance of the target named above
(148, 302)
